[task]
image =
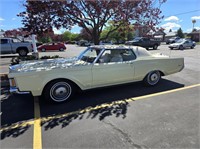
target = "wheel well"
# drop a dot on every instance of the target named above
(161, 73)
(25, 48)
(61, 79)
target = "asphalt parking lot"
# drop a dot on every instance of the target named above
(125, 116)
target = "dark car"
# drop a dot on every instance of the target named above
(172, 40)
(144, 42)
(84, 43)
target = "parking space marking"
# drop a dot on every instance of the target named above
(37, 134)
(17, 125)
(88, 109)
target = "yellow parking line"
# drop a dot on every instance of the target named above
(37, 121)
(37, 134)
(17, 125)
(88, 109)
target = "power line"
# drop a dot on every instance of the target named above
(183, 13)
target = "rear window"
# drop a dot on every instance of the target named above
(139, 51)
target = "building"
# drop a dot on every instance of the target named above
(170, 35)
(195, 35)
(159, 35)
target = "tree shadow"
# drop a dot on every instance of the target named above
(99, 103)
(15, 110)
(91, 104)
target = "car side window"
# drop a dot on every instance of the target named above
(116, 55)
(90, 55)
(4, 41)
(128, 55)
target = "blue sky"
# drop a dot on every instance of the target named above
(178, 13)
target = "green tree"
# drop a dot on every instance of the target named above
(67, 35)
(41, 15)
(180, 33)
(123, 33)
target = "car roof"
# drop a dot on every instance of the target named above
(139, 51)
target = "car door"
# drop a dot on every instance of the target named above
(110, 73)
(5, 47)
(186, 44)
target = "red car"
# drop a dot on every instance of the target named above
(52, 47)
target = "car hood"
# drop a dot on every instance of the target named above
(175, 44)
(49, 64)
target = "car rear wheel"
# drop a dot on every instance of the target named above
(59, 91)
(171, 48)
(152, 78)
(155, 47)
(22, 52)
(61, 49)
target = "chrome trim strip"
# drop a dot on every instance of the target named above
(16, 91)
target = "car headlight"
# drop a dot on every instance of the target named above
(12, 82)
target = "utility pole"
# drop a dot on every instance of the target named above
(35, 51)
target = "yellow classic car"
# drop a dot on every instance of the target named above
(97, 66)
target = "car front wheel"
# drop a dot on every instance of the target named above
(152, 78)
(59, 91)
(180, 47)
(61, 49)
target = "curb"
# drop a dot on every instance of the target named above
(7, 56)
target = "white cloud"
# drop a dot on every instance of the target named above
(190, 29)
(170, 25)
(1, 19)
(13, 19)
(58, 31)
(195, 18)
(172, 18)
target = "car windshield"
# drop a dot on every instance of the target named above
(136, 39)
(180, 41)
(89, 55)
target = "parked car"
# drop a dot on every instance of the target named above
(172, 40)
(182, 44)
(144, 42)
(52, 47)
(14, 45)
(106, 43)
(98, 66)
(84, 43)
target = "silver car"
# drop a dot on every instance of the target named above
(182, 44)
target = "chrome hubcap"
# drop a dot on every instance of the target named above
(22, 52)
(60, 91)
(154, 77)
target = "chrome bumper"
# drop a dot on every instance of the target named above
(16, 91)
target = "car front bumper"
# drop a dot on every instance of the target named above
(16, 91)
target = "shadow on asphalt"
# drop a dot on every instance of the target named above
(18, 109)
(97, 97)
(15, 109)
